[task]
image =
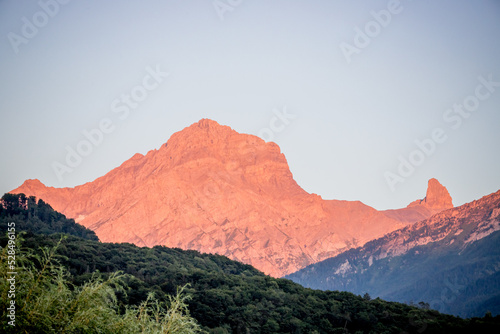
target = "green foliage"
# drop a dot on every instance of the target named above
(46, 302)
(38, 217)
(231, 297)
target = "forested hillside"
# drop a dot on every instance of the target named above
(230, 297)
(38, 217)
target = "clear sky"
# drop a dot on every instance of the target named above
(367, 99)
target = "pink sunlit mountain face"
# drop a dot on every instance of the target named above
(212, 189)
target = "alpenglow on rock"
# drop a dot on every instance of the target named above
(212, 189)
(437, 198)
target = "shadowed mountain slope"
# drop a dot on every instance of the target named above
(450, 261)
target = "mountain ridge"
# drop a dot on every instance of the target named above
(449, 260)
(212, 189)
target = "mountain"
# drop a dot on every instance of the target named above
(223, 296)
(214, 190)
(450, 261)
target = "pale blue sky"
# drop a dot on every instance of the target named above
(353, 120)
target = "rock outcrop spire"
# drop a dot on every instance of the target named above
(436, 199)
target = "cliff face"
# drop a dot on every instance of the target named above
(212, 189)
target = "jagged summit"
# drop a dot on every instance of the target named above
(436, 200)
(206, 129)
(209, 139)
(437, 197)
(215, 190)
(208, 123)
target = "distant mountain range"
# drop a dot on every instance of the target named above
(450, 261)
(214, 190)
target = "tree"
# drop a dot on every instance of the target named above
(424, 306)
(46, 302)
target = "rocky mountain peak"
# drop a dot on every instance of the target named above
(206, 123)
(436, 199)
(203, 130)
(215, 190)
(33, 184)
(437, 195)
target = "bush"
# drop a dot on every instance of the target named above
(46, 301)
